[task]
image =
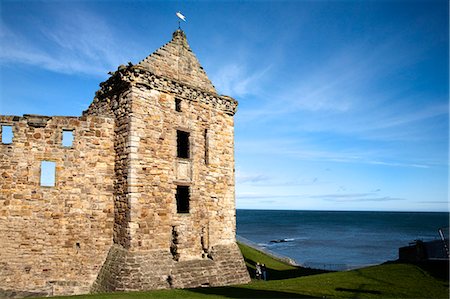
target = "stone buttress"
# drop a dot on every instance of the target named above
(174, 201)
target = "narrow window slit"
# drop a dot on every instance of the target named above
(206, 136)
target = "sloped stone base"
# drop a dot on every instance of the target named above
(126, 270)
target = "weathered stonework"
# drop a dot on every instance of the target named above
(53, 240)
(111, 222)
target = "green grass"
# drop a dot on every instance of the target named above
(393, 280)
(276, 269)
(384, 281)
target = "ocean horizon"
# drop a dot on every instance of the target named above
(337, 240)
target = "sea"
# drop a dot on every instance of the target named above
(336, 240)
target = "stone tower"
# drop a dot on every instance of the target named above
(174, 202)
(142, 195)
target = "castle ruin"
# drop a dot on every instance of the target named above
(135, 194)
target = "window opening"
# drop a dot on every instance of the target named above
(178, 105)
(7, 134)
(67, 138)
(182, 198)
(182, 144)
(48, 173)
(206, 147)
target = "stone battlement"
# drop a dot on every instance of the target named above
(137, 75)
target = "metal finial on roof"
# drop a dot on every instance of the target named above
(180, 17)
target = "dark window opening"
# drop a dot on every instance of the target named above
(178, 105)
(182, 197)
(7, 134)
(182, 144)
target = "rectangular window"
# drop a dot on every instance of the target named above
(67, 138)
(48, 173)
(182, 144)
(178, 105)
(7, 134)
(182, 198)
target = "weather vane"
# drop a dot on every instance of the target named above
(180, 17)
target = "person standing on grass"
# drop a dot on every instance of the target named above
(258, 271)
(264, 271)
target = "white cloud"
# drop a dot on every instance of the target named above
(343, 95)
(356, 198)
(83, 43)
(237, 80)
(251, 178)
(306, 151)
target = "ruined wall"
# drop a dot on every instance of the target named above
(54, 240)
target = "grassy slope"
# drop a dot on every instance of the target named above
(286, 281)
(383, 281)
(276, 269)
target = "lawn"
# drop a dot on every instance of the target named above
(394, 280)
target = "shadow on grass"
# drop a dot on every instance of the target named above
(437, 268)
(235, 292)
(358, 291)
(273, 274)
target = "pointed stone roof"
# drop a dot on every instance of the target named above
(175, 60)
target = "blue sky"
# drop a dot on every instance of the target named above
(343, 105)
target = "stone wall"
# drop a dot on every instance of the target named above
(53, 240)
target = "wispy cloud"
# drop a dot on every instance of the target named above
(264, 180)
(305, 151)
(396, 164)
(239, 80)
(264, 196)
(346, 94)
(338, 197)
(84, 43)
(357, 198)
(251, 178)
